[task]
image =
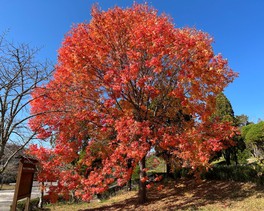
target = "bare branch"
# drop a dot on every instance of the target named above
(3, 167)
(20, 74)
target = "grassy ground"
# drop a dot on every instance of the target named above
(183, 195)
(7, 187)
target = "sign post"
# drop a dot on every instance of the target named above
(24, 182)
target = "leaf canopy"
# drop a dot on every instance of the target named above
(124, 84)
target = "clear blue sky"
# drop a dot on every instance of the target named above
(236, 25)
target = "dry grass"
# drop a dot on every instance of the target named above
(184, 195)
(7, 187)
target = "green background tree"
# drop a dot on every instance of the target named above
(254, 137)
(225, 113)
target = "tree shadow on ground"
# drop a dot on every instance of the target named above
(187, 194)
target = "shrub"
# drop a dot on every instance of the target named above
(243, 156)
(182, 172)
(33, 205)
(240, 173)
(6, 179)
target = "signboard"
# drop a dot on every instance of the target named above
(26, 170)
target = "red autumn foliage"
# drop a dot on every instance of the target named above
(125, 83)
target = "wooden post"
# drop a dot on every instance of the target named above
(27, 204)
(24, 182)
(14, 204)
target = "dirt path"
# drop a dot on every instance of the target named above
(6, 198)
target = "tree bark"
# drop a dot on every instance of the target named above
(168, 170)
(40, 205)
(142, 193)
(129, 185)
(227, 157)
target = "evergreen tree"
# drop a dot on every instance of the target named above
(225, 113)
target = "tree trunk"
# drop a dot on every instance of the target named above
(40, 204)
(235, 157)
(129, 185)
(227, 157)
(2, 182)
(168, 170)
(142, 193)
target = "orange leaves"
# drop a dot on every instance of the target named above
(129, 130)
(126, 83)
(158, 178)
(149, 186)
(160, 187)
(198, 143)
(143, 179)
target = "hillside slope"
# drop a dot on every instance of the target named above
(184, 195)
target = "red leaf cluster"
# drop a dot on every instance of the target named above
(125, 83)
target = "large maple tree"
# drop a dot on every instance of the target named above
(127, 83)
